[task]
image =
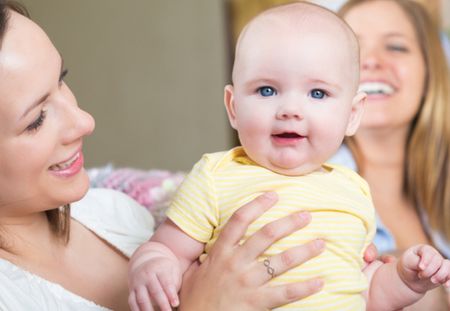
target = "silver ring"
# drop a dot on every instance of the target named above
(269, 269)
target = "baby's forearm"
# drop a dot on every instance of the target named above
(387, 291)
(174, 241)
(151, 250)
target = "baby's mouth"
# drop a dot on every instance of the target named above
(287, 138)
(288, 135)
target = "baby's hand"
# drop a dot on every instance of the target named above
(423, 268)
(154, 280)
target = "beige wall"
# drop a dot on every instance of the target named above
(150, 71)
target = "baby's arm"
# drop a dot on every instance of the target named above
(398, 284)
(157, 267)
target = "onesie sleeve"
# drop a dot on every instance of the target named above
(194, 207)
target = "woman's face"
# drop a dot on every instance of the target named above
(41, 125)
(392, 66)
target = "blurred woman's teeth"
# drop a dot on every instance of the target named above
(376, 88)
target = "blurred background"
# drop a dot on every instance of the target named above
(152, 72)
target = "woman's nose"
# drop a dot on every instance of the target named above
(80, 124)
(371, 59)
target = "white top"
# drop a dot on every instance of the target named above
(111, 215)
(384, 240)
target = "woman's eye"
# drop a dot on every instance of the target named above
(63, 75)
(267, 91)
(318, 94)
(37, 123)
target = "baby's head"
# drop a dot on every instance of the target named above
(294, 94)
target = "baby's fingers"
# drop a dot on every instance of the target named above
(170, 289)
(139, 300)
(157, 293)
(443, 274)
(429, 263)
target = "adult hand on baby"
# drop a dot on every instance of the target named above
(231, 277)
(154, 279)
(423, 268)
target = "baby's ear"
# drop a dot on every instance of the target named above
(228, 98)
(358, 103)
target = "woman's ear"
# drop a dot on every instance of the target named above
(358, 103)
(228, 98)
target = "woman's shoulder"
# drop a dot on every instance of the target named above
(115, 217)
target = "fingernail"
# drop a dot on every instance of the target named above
(175, 302)
(270, 195)
(318, 283)
(319, 244)
(304, 216)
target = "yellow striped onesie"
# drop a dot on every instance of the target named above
(338, 199)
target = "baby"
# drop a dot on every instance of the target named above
(293, 99)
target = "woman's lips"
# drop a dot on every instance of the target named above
(70, 167)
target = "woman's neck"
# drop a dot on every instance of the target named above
(383, 159)
(27, 237)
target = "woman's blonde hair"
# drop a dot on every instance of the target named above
(59, 218)
(427, 175)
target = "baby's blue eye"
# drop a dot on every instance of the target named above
(318, 94)
(267, 91)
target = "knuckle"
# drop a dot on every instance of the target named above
(239, 217)
(287, 259)
(140, 300)
(253, 301)
(230, 265)
(269, 231)
(290, 292)
(154, 291)
(243, 280)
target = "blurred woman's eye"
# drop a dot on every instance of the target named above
(36, 124)
(267, 91)
(318, 93)
(397, 48)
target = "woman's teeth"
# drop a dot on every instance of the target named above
(376, 88)
(64, 165)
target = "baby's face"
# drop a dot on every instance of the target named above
(291, 101)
